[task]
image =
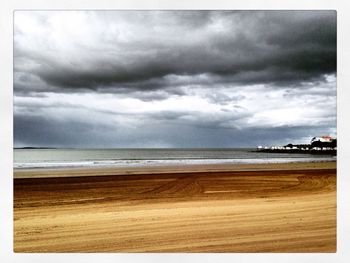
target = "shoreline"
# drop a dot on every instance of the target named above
(190, 168)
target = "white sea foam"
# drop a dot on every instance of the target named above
(142, 163)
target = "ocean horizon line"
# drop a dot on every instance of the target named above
(131, 148)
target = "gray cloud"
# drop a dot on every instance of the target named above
(41, 131)
(278, 47)
(173, 78)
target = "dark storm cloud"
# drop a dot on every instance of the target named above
(173, 78)
(275, 47)
(41, 131)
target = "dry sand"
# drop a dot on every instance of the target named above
(213, 208)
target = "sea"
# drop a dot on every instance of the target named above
(103, 158)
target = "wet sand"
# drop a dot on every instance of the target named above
(203, 208)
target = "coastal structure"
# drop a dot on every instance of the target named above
(322, 145)
(322, 139)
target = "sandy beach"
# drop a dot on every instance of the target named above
(202, 208)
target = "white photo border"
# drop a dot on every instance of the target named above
(7, 9)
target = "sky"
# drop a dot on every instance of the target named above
(183, 79)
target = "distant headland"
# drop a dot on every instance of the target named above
(29, 148)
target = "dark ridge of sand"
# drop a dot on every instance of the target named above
(261, 210)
